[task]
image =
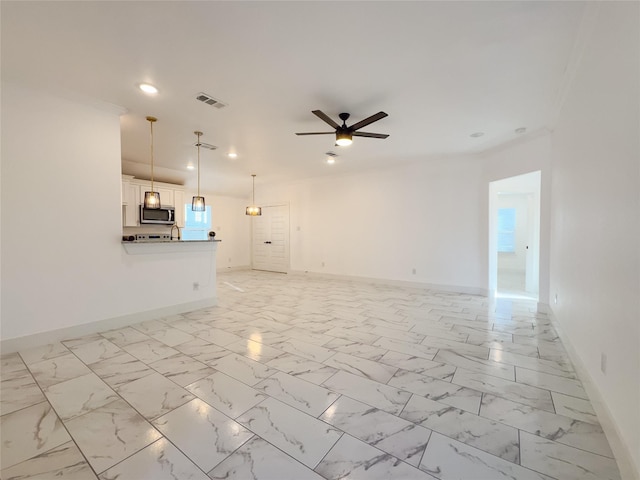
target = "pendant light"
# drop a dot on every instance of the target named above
(152, 198)
(252, 209)
(197, 204)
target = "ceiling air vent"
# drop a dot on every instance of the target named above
(209, 100)
(208, 146)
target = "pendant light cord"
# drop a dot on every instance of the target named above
(198, 133)
(151, 123)
(253, 189)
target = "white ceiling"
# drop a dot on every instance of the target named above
(441, 70)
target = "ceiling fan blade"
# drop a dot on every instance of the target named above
(317, 133)
(370, 135)
(367, 121)
(323, 116)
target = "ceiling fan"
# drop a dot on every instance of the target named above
(344, 133)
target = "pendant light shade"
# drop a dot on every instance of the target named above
(152, 198)
(252, 209)
(197, 203)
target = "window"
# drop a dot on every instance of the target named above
(507, 230)
(197, 224)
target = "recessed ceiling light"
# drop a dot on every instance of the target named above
(520, 130)
(148, 88)
(190, 167)
(331, 157)
(477, 134)
(331, 160)
(232, 155)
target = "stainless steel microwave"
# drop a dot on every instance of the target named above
(159, 216)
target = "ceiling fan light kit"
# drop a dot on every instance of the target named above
(344, 139)
(344, 134)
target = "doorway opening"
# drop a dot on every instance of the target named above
(514, 236)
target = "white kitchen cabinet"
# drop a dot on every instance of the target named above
(178, 196)
(126, 181)
(129, 199)
(130, 211)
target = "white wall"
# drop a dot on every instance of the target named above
(383, 224)
(62, 260)
(595, 264)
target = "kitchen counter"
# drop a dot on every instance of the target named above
(172, 241)
(169, 246)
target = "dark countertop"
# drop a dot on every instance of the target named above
(170, 241)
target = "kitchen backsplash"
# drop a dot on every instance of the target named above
(147, 229)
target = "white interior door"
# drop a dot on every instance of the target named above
(533, 248)
(270, 243)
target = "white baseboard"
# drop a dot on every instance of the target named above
(543, 308)
(11, 345)
(220, 269)
(628, 469)
(398, 283)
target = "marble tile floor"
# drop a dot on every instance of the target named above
(298, 377)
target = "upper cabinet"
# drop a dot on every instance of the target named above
(130, 195)
(133, 196)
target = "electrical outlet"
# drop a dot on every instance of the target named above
(413, 271)
(196, 286)
(603, 363)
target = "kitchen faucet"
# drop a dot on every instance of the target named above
(172, 227)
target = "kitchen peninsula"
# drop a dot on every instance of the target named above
(173, 276)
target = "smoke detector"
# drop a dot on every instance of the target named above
(209, 100)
